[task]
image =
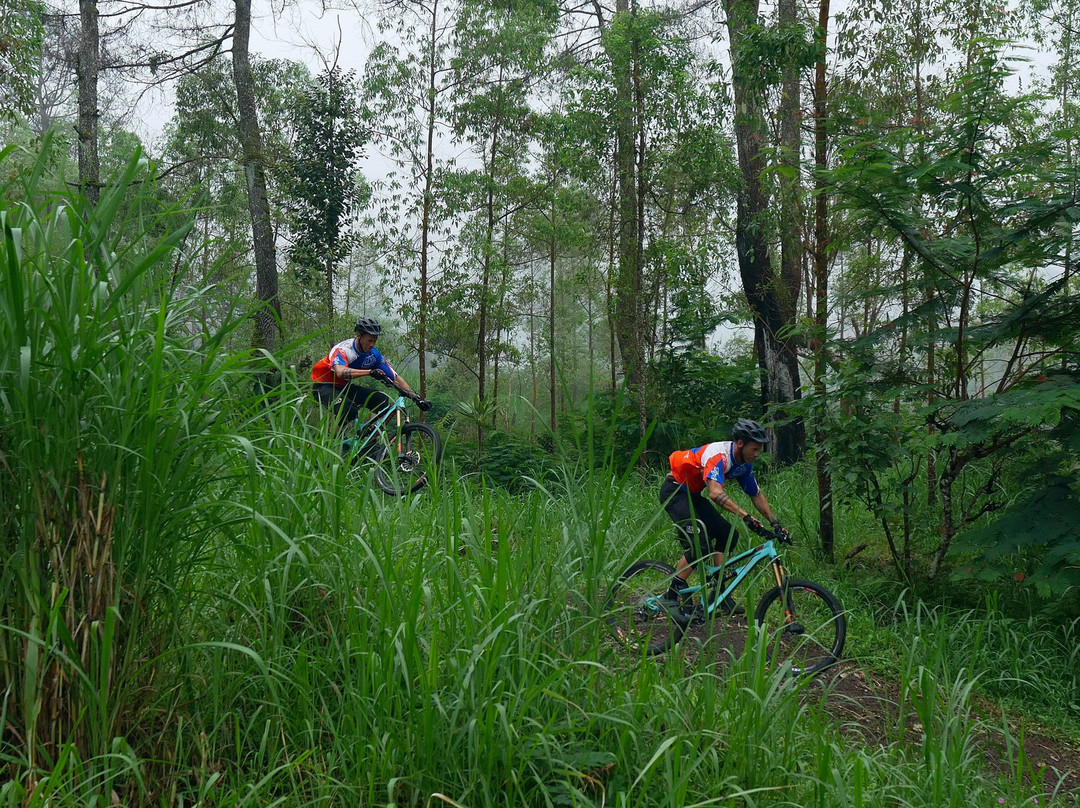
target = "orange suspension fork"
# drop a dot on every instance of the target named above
(778, 571)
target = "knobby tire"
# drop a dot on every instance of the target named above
(408, 470)
(804, 625)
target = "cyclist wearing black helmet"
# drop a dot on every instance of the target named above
(700, 528)
(356, 358)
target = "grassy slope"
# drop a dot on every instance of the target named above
(448, 645)
(201, 608)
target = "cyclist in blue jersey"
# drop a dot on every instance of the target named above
(356, 358)
(701, 529)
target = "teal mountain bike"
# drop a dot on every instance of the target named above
(804, 623)
(402, 455)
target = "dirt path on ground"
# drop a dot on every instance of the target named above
(866, 707)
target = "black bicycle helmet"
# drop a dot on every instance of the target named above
(745, 429)
(366, 325)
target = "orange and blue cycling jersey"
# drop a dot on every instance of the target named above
(713, 461)
(347, 353)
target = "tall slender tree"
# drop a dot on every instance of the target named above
(405, 98)
(772, 296)
(326, 186)
(268, 306)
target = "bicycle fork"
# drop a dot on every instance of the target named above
(791, 619)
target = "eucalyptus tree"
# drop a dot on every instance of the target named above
(201, 155)
(249, 132)
(622, 44)
(667, 203)
(1055, 25)
(820, 308)
(761, 55)
(564, 232)
(405, 104)
(326, 189)
(500, 52)
(89, 66)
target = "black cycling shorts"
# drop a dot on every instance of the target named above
(700, 527)
(348, 401)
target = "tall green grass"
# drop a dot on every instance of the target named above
(202, 608)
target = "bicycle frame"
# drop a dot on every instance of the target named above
(376, 424)
(763, 552)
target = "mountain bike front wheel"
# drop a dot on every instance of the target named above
(406, 464)
(804, 625)
(635, 611)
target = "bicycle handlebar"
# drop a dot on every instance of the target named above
(388, 382)
(781, 535)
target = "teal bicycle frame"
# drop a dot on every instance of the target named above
(367, 432)
(763, 552)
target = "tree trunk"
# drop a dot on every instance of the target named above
(485, 283)
(330, 288)
(268, 312)
(89, 66)
(429, 198)
(771, 299)
(551, 314)
(821, 277)
(628, 282)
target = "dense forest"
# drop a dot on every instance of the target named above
(593, 235)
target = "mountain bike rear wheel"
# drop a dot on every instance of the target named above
(805, 626)
(406, 464)
(635, 612)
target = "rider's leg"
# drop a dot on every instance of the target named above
(679, 505)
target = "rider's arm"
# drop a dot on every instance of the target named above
(762, 505)
(396, 377)
(718, 495)
(346, 372)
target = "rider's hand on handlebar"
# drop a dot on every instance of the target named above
(781, 532)
(753, 524)
(423, 404)
(378, 374)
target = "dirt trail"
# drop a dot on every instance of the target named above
(867, 707)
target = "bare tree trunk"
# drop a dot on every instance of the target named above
(268, 312)
(485, 284)
(771, 299)
(821, 276)
(89, 67)
(429, 198)
(609, 282)
(628, 283)
(329, 289)
(551, 314)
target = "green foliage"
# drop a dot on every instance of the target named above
(510, 462)
(21, 35)
(325, 189)
(1035, 539)
(113, 452)
(981, 204)
(701, 395)
(696, 398)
